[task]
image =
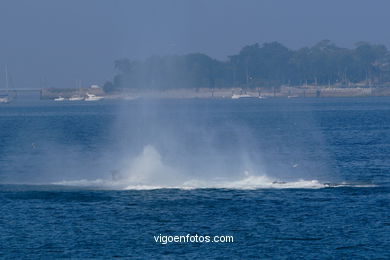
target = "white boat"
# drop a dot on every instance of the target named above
(59, 99)
(6, 97)
(92, 97)
(76, 98)
(237, 96)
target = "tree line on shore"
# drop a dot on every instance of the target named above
(267, 65)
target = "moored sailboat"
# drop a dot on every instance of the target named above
(5, 98)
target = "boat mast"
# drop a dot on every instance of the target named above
(6, 78)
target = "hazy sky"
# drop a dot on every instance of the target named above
(62, 41)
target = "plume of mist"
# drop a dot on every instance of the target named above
(177, 143)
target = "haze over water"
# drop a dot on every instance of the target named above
(54, 43)
(177, 143)
(300, 178)
(98, 171)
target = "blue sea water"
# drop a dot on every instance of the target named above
(288, 179)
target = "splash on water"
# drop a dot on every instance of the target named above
(148, 171)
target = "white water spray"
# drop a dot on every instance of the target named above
(148, 171)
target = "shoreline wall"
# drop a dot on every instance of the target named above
(283, 91)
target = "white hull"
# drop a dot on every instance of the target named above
(59, 99)
(237, 96)
(4, 100)
(91, 97)
(94, 99)
(76, 99)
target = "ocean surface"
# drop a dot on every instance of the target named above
(286, 178)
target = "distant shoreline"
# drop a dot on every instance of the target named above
(227, 93)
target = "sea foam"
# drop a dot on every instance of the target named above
(147, 171)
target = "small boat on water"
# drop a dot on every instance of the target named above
(76, 98)
(59, 99)
(237, 96)
(5, 99)
(92, 97)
